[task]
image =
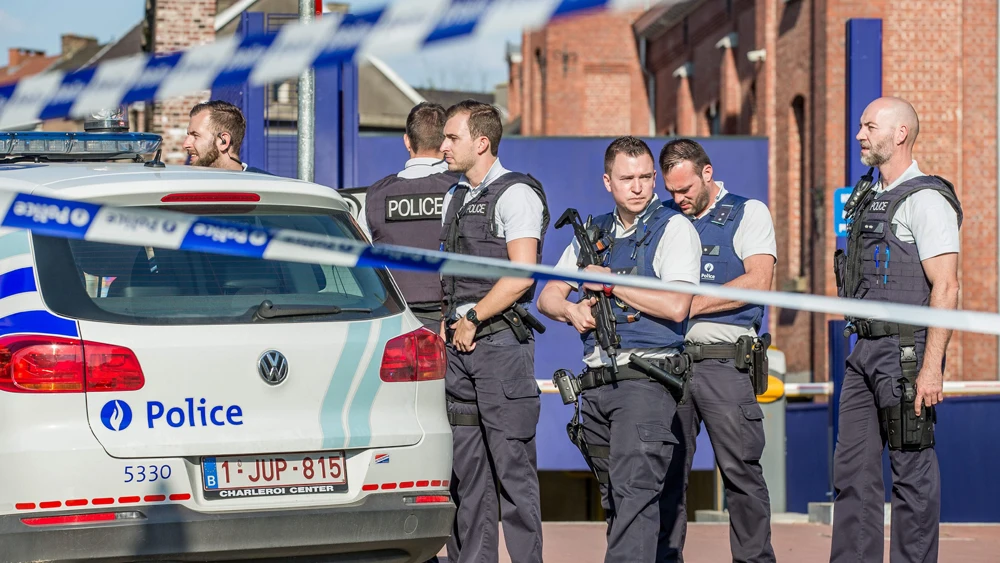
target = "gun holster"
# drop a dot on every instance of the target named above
(903, 428)
(521, 332)
(522, 322)
(568, 386)
(751, 356)
(574, 428)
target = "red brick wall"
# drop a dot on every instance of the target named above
(590, 81)
(180, 24)
(942, 60)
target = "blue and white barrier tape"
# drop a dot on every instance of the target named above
(401, 26)
(825, 388)
(173, 230)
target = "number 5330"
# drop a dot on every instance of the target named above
(146, 473)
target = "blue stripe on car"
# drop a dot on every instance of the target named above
(359, 417)
(331, 411)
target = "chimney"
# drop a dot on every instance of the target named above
(73, 44)
(17, 55)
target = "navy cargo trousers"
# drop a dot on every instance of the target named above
(722, 397)
(872, 383)
(495, 468)
(632, 419)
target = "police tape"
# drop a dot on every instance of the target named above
(174, 230)
(825, 388)
(400, 26)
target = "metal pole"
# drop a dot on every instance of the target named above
(307, 106)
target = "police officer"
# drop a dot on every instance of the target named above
(215, 135)
(493, 400)
(405, 208)
(627, 417)
(738, 250)
(903, 247)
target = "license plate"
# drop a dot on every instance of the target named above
(276, 475)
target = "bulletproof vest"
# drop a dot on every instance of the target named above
(407, 212)
(470, 228)
(719, 262)
(633, 255)
(879, 266)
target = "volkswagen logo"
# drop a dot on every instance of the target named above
(272, 367)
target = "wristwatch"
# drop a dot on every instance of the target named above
(472, 318)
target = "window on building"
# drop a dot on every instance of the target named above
(712, 119)
(800, 181)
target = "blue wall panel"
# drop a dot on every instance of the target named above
(807, 459)
(571, 171)
(968, 448)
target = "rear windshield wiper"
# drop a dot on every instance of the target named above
(268, 310)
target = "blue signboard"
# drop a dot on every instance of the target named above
(840, 197)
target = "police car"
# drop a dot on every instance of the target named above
(165, 404)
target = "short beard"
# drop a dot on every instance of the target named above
(878, 154)
(702, 202)
(462, 167)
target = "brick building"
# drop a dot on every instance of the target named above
(777, 69)
(175, 25)
(571, 78)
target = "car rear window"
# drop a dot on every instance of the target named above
(144, 285)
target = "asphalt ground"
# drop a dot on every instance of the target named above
(576, 542)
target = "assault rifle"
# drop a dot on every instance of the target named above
(588, 237)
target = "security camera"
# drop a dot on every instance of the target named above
(757, 56)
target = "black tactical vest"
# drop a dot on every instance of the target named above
(879, 266)
(471, 229)
(407, 212)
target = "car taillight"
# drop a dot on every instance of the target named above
(53, 364)
(415, 356)
(111, 368)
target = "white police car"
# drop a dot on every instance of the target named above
(165, 404)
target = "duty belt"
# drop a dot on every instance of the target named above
(699, 352)
(490, 326)
(870, 330)
(597, 377)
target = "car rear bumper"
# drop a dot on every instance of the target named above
(382, 527)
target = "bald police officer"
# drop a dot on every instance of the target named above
(405, 208)
(903, 247)
(493, 399)
(738, 250)
(627, 416)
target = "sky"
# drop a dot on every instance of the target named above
(38, 24)
(477, 64)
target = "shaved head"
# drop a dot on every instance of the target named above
(888, 131)
(898, 112)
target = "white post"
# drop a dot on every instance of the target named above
(307, 106)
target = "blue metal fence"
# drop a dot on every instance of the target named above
(271, 140)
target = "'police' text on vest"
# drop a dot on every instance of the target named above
(413, 207)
